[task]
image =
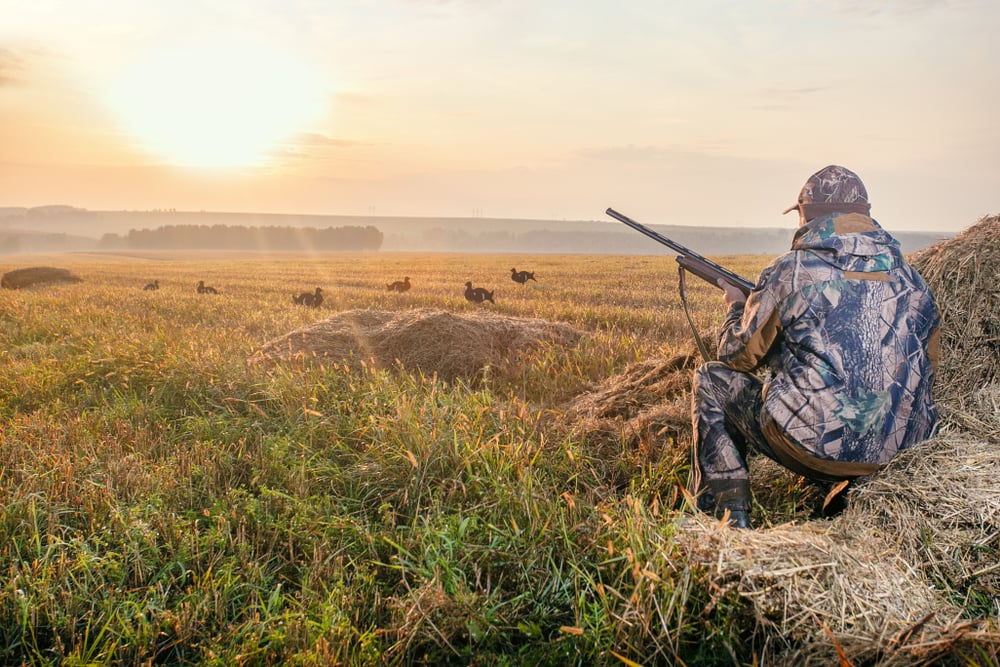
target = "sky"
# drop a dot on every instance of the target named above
(708, 113)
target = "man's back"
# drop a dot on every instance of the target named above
(845, 325)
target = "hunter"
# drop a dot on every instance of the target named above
(826, 366)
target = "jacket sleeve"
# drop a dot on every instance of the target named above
(751, 329)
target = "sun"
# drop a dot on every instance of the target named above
(215, 104)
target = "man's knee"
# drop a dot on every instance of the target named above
(711, 373)
(712, 368)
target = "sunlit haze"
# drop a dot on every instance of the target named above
(214, 104)
(693, 113)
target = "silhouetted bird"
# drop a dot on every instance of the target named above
(478, 294)
(522, 276)
(205, 289)
(152, 286)
(399, 285)
(313, 299)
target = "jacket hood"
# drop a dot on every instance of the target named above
(849, 241)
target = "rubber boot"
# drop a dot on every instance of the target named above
(732, 495)
(739, 519)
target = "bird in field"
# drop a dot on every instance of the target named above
(152, 286)
(313, 299)
(478, 294)
(399, 285)
(205, 289)
(522, 276)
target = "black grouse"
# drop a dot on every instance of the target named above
(478, 294)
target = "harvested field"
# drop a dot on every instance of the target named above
(433, 342)
(37, 276)
(534, 520)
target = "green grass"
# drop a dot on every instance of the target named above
(165, 502)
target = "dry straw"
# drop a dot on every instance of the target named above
(637, 408)
(963, 274)
(36, 276)
(833, 593)
(634, 420)
(433, 342)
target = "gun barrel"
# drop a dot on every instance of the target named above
(639, 227)
(687, 258)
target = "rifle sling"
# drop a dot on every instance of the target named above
(694, 330)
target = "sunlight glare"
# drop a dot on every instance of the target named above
(216, 105)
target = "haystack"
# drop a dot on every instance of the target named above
(634, 420)
(430, 341)
(938, 504)
(648, 401)
(36, 276)
(827, 593)
(962, 272)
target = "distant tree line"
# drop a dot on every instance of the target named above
(239, 237)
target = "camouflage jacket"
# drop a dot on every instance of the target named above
(848, 331)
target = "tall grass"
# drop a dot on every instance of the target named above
(165, 502)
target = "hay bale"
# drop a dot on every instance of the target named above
(822, 590)
(939, 504)
(635, 421)
(962, 273)
(649, 400)
(636, 404)
(37, 276)
(430, 341)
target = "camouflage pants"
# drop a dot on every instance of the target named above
(726, 407)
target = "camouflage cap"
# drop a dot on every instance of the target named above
(833, 188)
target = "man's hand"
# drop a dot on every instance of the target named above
(732, 293)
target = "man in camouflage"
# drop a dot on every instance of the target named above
(844, 333)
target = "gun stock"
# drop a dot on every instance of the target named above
(699, 265)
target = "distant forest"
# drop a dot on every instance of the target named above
(59, 228)
(239, 237)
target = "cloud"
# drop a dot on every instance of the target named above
(10, 65)
(782, 99)
(893, 8)
(316, 139)
(310, 145)
(632, 153)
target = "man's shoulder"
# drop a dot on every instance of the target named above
(789, 260)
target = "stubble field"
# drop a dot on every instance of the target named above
(164, 501)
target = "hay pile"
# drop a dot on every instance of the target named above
(963, 274)
(36, 276)
(824, 591)
(879, 582)
(938, 504)
(635, 420)
(649, 401)
(432, 342)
